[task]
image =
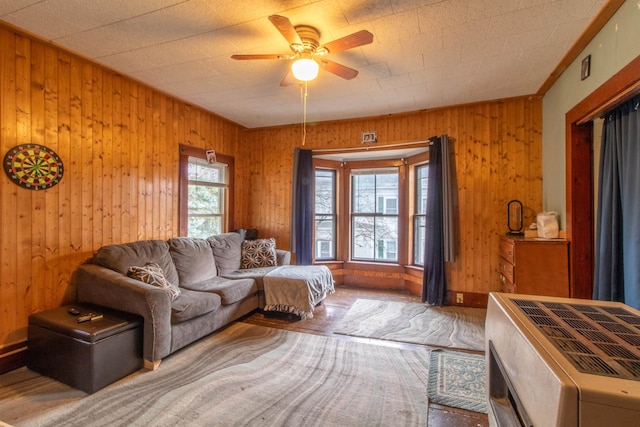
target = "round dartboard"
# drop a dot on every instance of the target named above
(33, 166)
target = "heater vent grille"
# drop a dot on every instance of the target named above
(597, 340)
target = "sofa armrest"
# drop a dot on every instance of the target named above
(283, 257)
(108, 288)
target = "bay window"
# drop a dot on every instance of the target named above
(371, 210)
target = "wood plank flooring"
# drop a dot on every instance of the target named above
(327, 315)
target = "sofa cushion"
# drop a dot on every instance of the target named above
(151, 273)
(258, 253)
(230, 291)
(193, 259)
(251, 273)
(122, 256)
(227, 248)
(192, 304)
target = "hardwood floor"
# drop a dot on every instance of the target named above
(327, 315)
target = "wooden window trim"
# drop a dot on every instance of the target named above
(187, 151)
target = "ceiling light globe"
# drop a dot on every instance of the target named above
(305, 69)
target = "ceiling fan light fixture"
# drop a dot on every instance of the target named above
(305, 69)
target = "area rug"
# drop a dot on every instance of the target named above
(245, 375)
(452, 327)
(458, 379)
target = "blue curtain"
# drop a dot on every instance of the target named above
(439, 232)
(617, 266)
(302, 207)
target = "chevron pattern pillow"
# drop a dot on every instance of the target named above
(152, 274)
(258, 253)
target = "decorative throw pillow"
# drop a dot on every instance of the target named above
(152, 274)
(258, 253)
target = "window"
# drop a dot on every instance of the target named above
(205, 193)
(371, 209)
(325, 214)
(420, 214)
(374, 214)
(206, 199)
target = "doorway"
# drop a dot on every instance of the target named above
(580, 172)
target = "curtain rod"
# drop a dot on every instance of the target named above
(368, 147)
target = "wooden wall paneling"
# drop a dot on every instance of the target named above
(97, 193)
(145, 177)
(134, 159)
(125, 160)
(38, 198)
(494, 168)
(10, 310)
(118, 140)
(163, 165)
(117, 157)
(63, 129)
(146, 164)
(87, 149)
(158, 194)
(51, 206)
(466, 193)
(487, 207)
(496, 154)
(169, 160)
(535, 166)
(108, 160)
(478, 194)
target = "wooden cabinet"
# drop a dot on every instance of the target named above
(534, 266)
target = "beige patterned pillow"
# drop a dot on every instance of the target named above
(258, 253)
(152, 274)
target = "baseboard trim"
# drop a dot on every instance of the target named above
(470, 299)
(13, 357)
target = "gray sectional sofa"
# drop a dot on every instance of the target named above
(212, 288)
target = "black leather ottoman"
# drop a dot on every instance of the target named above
(87, 355)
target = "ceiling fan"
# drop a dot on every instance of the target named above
(304, 42)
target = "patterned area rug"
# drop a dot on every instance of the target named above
(453, 327)
(244, 375)
(458, 379)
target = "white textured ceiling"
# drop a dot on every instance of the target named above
(425, 53)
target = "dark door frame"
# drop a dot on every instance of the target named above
(579, 168)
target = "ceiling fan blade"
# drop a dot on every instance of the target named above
(288, 79)
(338, 69)
(360, 38)
(286, 28)
(263, 56)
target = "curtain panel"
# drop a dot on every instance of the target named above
(617, 266)
(440, 227)
(302, 207)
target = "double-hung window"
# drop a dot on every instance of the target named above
(420, 213)
(374, 214)
(206, 206)
(325, 214)
(205, 193)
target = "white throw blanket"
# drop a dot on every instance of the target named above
(297, 288)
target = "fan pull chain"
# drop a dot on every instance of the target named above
(303, 95)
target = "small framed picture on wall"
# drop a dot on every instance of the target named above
(369, 137)
(211, 156)
(586, 68)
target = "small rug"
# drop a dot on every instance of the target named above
(244, 375)
(458, 379)
(451, 327)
